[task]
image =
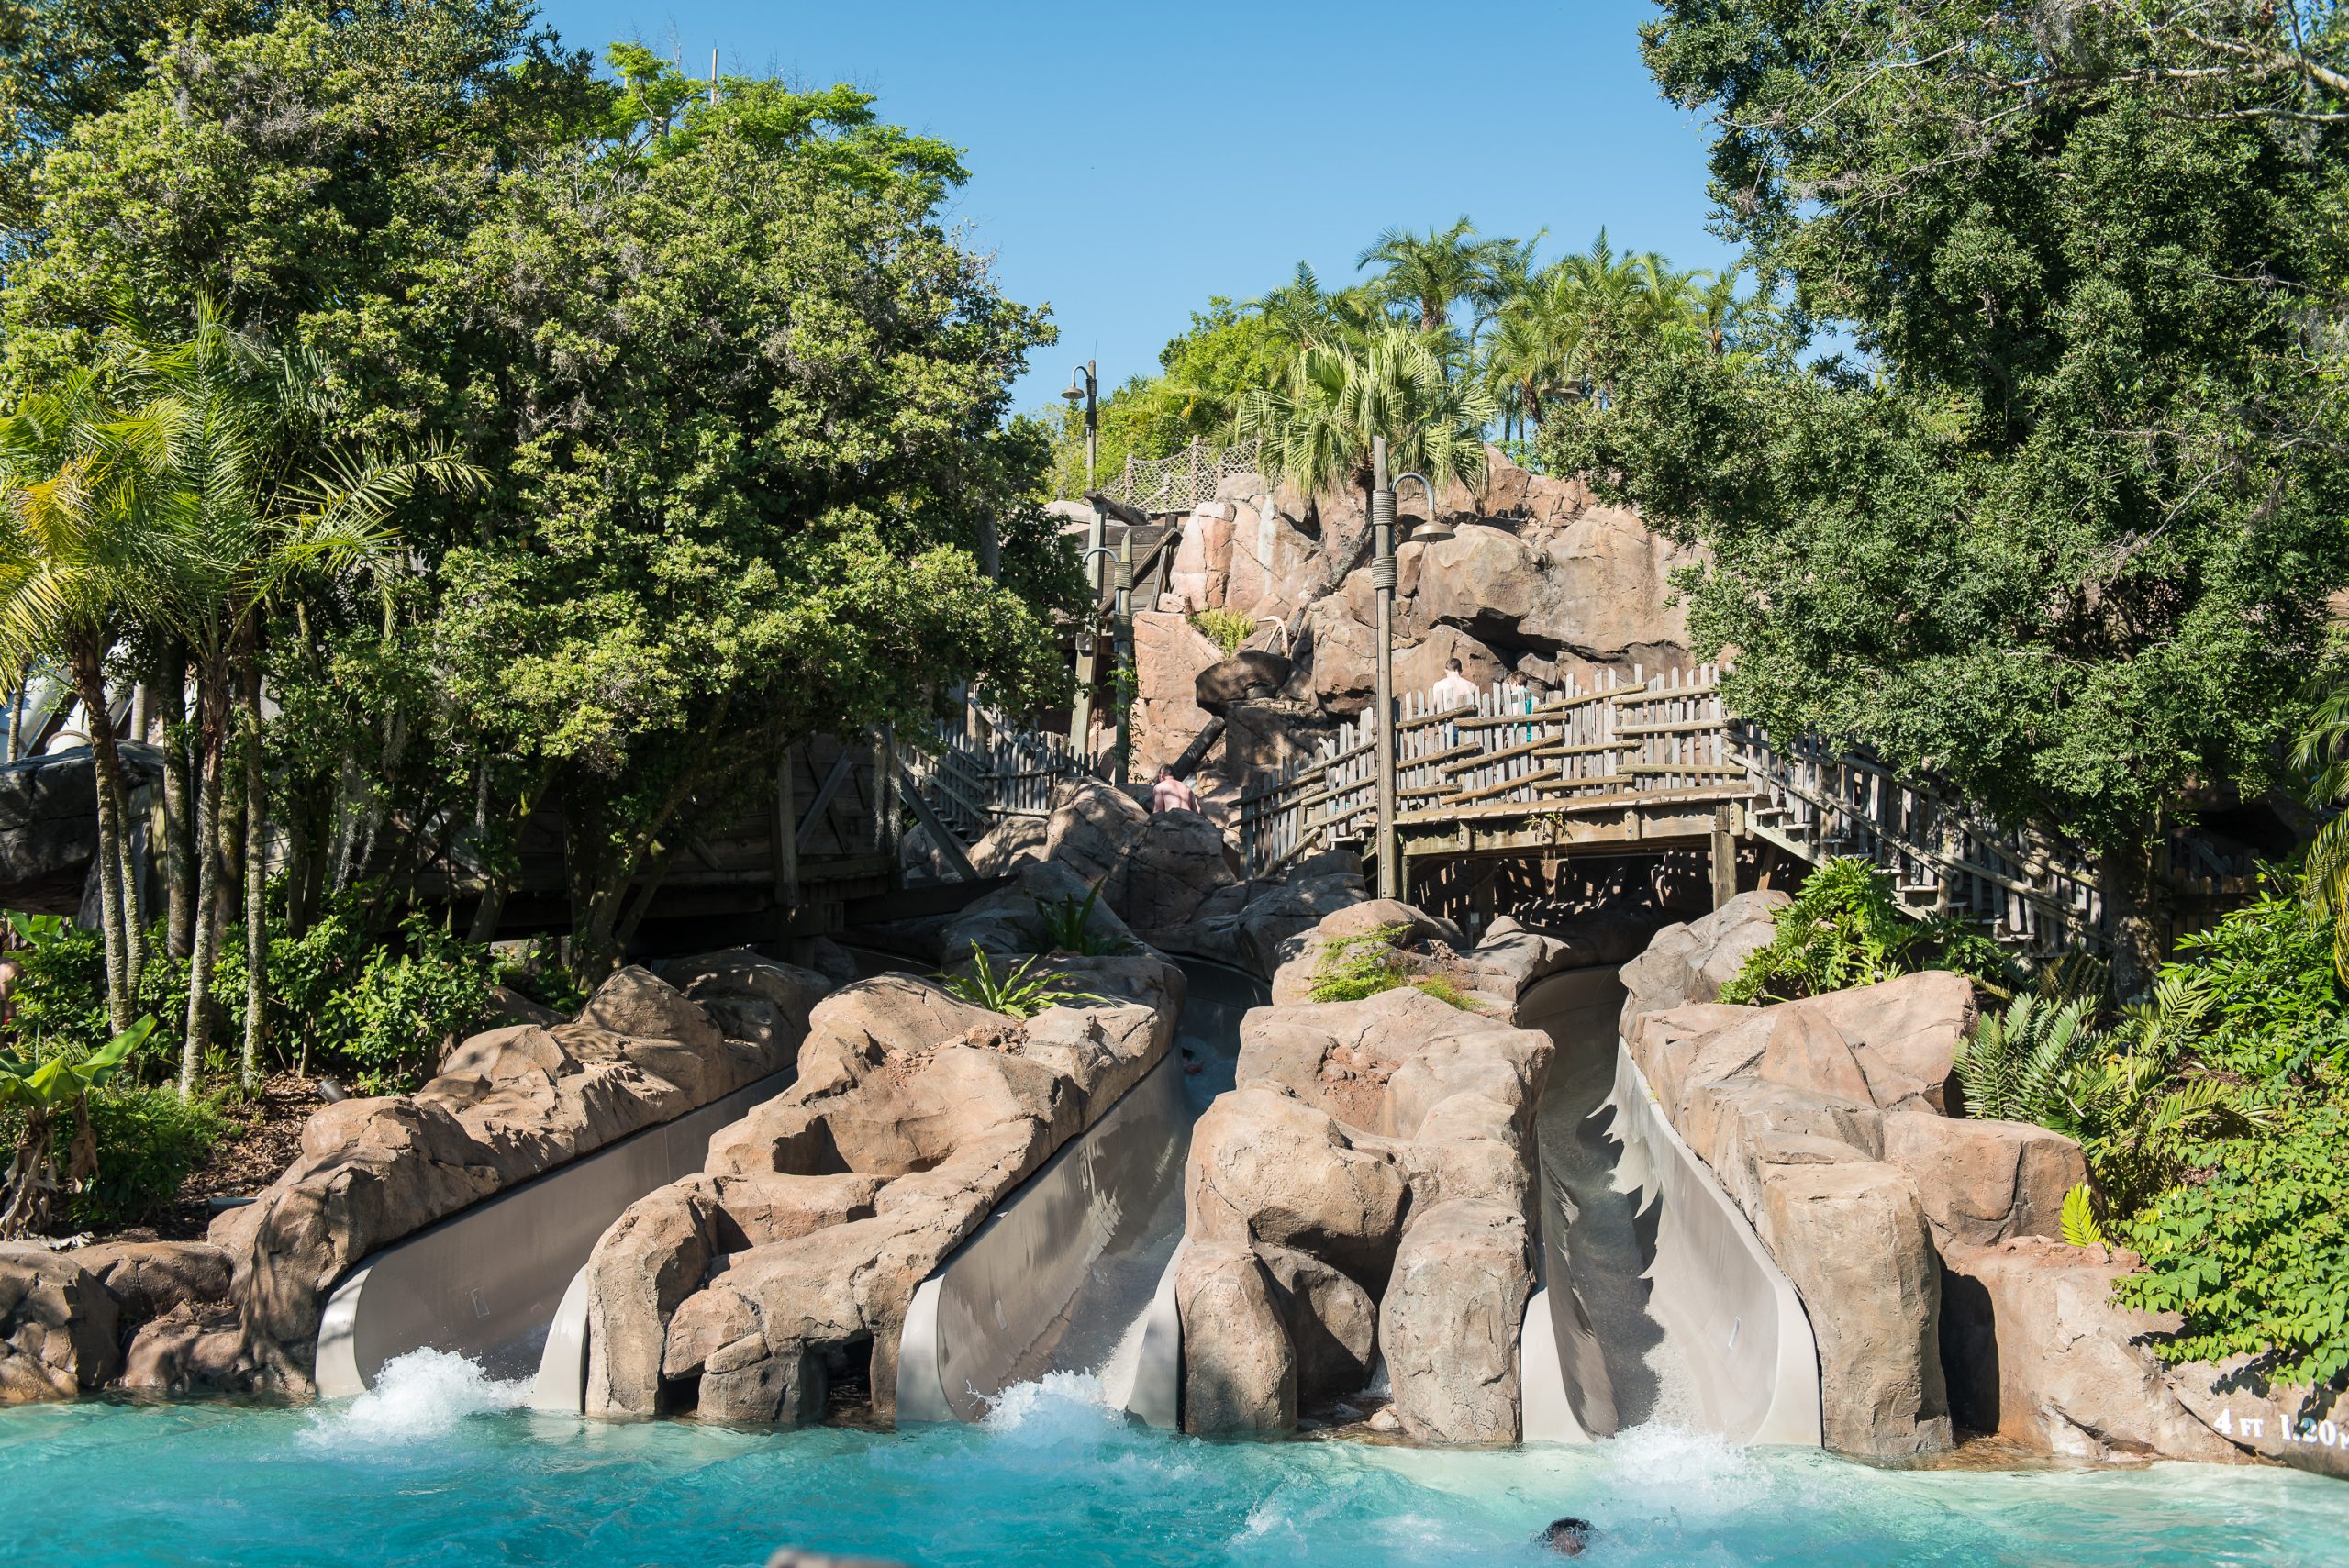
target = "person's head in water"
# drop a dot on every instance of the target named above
(1566, 1537)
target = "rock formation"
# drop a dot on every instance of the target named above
(507, 1105)
(1370, 1177)
(759, 1289)
(1538, 578)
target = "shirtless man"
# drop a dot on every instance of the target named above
(1171, 793)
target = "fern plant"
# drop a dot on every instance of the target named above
(1845, 928)
(1227, 629)
(2018, 1064)
(1065, 924)
(1022, 992)
(2079, 1221)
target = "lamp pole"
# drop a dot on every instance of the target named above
(1381, 580)
(1085, 387)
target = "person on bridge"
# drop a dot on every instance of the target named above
(1171, 793)
(1452, 689)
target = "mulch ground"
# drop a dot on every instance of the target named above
(261, 1136)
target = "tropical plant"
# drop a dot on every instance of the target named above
(404, 1008)
(2321, 752)
(1316, 427)
(147, 1141)
(2078, 1221)
(1368, 962)
(1227, 629)
(1845, 928)
(41, 1095)
(1065, 924)
(86, 539)
(2016, 1065)
(1433, 272)
(1022, 992)
(2139, 1111)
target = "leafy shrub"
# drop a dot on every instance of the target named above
(2017, 1066)
(149, 1140)
(1227, 629)
(1352, 968)
(393, 1021)
(1845, 929)
(1065, 924)
(1023, 993)
(2254, 1250)
(2275, 1004)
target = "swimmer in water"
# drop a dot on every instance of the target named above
(1565, 1537)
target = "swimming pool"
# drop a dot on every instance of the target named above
(437, 1467)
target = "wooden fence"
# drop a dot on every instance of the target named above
(975, 783)
(1664, 747)
(1179, 483)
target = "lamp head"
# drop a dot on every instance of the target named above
(1075, 392)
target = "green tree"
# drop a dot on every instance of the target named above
(1432, 274)
(1317, 425)
(2071, 549)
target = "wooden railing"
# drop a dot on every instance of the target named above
(976, 783)
(1664, 746)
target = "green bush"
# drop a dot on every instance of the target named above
(149, 1140)
(1227, 629)
(1352, 968)
(1845, 929)
(392, 1020)
(2276, 1006)
(2253, 1249)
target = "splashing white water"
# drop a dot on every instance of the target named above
(423, 1394)
(1696, 1473)
(1057, 1405)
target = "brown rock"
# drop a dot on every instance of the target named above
(1265, 1167)
(1985, 1181)
(2037, 1352)
(1239, 1369)
(1449, 1323)
(1692, 962)
(148, 1279)
(57, 1327)
(192, 1349)
(1851, 1237)
(640, 1271)
(1332, 1324)
(1905, 1034)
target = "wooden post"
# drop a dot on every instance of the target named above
(1724, 851)
(786, 832)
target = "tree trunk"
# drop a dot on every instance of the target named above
(2128, 887)
(212, 701)
(179, 811)
(86, 658)
(256, 849)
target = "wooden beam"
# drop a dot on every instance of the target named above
(938, 834)
(1724, 855)
(842, 767)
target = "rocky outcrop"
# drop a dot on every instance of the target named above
(58, 1327)
(1240, 1369)
(1538, 578)
(1691, 963)
(48, 824)
(507, 1105)
(748, 1292)
(1374, 1162)
(2037, 1352)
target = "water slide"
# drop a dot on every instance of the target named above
(1657, 1303)
(487, 1280)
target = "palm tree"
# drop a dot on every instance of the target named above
(2322, 752)
(85, 543)
(1316, 428)
(1432, 272)
(267, 502)
(1302, 313)
(1722, 321)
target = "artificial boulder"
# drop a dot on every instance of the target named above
(57, 1327)
(1449, 1323)
(1239, 1371)
(1691, 963)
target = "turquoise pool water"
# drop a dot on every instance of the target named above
(437, 1467)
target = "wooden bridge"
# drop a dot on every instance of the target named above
(1655, 763)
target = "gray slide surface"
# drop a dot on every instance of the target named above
(1658, 1302)
(487, 1280)
(1074, 1272)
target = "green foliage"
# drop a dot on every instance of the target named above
(2254, 1250)
(1022, 992)
(2070, 543)
(2276, 1004)
(1227, 629)
(1845, 929)
(36, 1095)
(403, 1010)
(2078, 1221)
(1316, 424)
(1368, 962)
(148, 1142)
(2016, 1065)
(1065, 924)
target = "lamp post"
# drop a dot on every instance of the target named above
(1382, 580)
(1085, 387)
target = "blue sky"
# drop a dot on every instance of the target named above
(1129, 160)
